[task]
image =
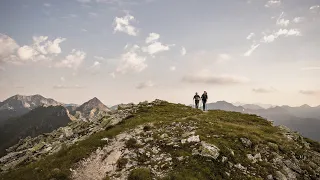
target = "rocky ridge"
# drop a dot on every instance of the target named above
(160, 140)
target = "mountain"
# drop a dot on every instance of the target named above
(223, 105)
(38, 121)
(303, 119)
(91, 110)
(252, 106)
(161, 140)
(18, 105)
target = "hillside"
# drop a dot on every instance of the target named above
(18, 105)
(160, 140)
(38, 121)
(301, 119)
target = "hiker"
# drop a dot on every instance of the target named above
(196, 99)
(204, 98)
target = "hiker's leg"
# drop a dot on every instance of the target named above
(197, 104)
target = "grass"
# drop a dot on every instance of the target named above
(223, 129)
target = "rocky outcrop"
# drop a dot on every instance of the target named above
(31, 149)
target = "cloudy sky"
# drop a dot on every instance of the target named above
(133, 50)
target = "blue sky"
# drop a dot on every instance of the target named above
(129, 51)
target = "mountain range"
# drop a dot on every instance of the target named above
(23, 116)
(304, 119)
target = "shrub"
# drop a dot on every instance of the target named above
(140, 174)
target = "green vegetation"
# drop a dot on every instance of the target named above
(223, 129)
(140, 174)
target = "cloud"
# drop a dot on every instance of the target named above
(84, 30)
(132, 61)
(8, 46)
(251, 50)
(93, 14)
(156, 47)
(310, 92)
(282, 32)
(47, 5)
(298, 19)
(152, 38)
(281, 21)
(183, 51)
(250, 36)
(62, 79)
(310, 68)
(172, 68)
(26, 53)
(208, 78)
(263, 90)
(67, 87)
(315, 7)
(113, 75)
(122, 24)
(99, 58)
(73, 60)
(144, 85)
(224, 57)
(273, 3)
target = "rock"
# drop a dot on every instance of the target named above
(224, 159)
(290, 174)
(246, 142)
(280, 176)
(292, 166)
(183, 141)
(193, 139)
(207, 150)
(180, 158)
(163, 136)
(270, 177)
(255, 158)
(240, 167)
(67, 132)
(105, 139)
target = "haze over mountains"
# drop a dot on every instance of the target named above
(304, 119)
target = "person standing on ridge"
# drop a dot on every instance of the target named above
(204, 98)
(196, 99)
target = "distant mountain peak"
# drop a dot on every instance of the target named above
(305, 106)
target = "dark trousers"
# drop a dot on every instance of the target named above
(204, 105)
(197, 103)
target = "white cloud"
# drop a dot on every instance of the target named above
(224, 56)
(156, 47)
(315, 7)
(152, 38)
(273, 3)
(282, 32)
(132, 61)
(144, 85)
(84, 30)
(264, 90)
(26, 53)
(7, 47)
(172, 68)
(183, 51)
(298, 19)
(62, 79)
(281, 21)
(73, 60)
(205, 77)
(251, 50)
(96, 64)
(122, 24)
(250, 36)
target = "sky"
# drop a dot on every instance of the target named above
(123, 51)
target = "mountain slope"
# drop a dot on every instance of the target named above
(18, 105)
(91, 110)
(283, 115)
(161, 140)
(38, 121)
